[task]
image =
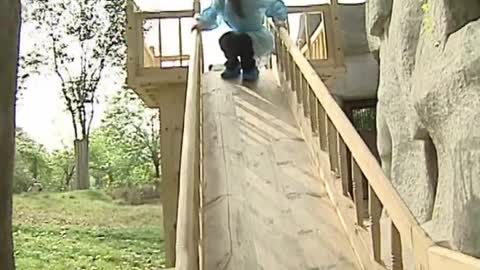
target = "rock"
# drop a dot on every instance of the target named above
(404, 159)
(446, 98)
(428, 112)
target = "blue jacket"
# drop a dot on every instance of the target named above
(253, 22)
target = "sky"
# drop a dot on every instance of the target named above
(41, 112)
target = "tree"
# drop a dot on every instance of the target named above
(9, 50)
(83, 40)
(134, 122)
(125, 149)
(62, 164)
(31, 163)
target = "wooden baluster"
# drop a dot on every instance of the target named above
(288, 68)
(375, 209)
(322, 126)
(313, 110)
(278, 48)
(282, 59)
(358, 192)
(293, 75)
(160, 52)
(298, 85)
(305, 97)
(397, 254)
(288, 25)
(332, 146)
(344, 170)
(291, 65)
(180, 41)
(307, 36)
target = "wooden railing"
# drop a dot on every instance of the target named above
(148, 56)
(188, 217)
(344, 162)
(315, 46)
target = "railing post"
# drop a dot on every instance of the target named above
(297, 84)
(397, 253)
(345, 173)
(375, 210)
(279, 48)
(322, 126)
(358, 193)
(313, 110)
(332, 146)
(305, 97)
(196, 6)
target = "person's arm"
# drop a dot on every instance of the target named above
(278, 11)
(210, 17)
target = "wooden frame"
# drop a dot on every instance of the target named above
(332, 126)
(189, 217)
(324, 48)
(331, 136)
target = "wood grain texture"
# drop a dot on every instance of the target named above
(264, 207)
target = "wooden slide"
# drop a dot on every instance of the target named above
(264, 207)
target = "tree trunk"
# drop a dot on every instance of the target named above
(9, 44)
(157, 169)
(81, 160)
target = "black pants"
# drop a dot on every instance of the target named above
(237, 45)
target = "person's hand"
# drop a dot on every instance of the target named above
(197, 26)
(280, 24)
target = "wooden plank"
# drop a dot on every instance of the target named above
(171, 117)
(444, 259)
(345, 174)
(313, 111)
(375, 209)
(180, 41)
(358, 237)
(360, 152)
(332, 137)
(308, 8)
(296, 226)
(131, 38)
(358, 193)
(187, 227)
(322, 126)
(397, 252)
(165, 14)
(305, 98)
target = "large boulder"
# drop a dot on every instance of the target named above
(428, 112)
(396, 25)
(446, 97)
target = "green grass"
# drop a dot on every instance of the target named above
(86, 230)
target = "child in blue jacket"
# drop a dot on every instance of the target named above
(249, 38)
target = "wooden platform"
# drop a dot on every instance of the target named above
(263, 206)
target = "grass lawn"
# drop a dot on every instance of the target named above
(86, 230)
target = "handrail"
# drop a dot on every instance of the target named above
(317, 38)
(188, 226)
(338, 137)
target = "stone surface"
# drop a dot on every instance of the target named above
(428, 112)
(446, 97)
(403, 158)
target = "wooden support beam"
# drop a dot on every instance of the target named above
(358, 192)
(172, 108)
(397, 252)
(375, 209)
